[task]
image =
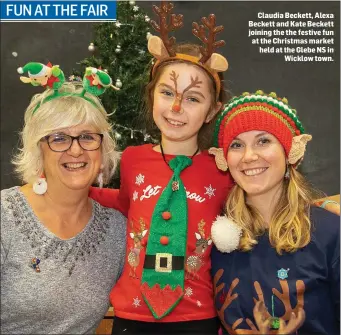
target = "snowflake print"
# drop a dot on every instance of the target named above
(135, 195)
(188, 291)
(198, 303)
(210, 191)
(139, 179)
(136, 302)
(136, 8)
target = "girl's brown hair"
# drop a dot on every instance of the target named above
(206, 131)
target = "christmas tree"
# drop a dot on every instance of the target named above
(120, 48)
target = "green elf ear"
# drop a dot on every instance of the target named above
(96, 81)
(219, 158)
(298, 147)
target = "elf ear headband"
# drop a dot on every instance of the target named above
(95, 81)
(163, 48)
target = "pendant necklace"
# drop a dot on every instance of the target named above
(175, 184)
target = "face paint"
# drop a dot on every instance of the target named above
(176, 107)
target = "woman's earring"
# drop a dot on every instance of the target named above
(287, 173)
(40, 185)
(100, 177)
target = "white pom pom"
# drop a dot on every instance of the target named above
(94, 70)
(20, 70)
(225, 234)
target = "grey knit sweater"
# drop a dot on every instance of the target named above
(70, 294)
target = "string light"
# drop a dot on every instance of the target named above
(133, 131)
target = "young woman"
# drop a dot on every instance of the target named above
(276, 260)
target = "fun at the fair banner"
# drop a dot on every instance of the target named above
(58, 11)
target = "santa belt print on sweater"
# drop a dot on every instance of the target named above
(164, 262)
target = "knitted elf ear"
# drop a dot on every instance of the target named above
(219, 158)
(298, 147)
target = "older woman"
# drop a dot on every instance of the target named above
(276, 260)
(61, 252)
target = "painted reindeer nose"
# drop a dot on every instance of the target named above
(176, 108)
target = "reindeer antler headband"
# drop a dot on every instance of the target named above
(163, 48)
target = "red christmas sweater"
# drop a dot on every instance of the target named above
(144, 175)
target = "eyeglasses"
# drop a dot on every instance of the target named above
(63, 142)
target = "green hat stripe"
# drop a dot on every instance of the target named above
(274, 102)
(217, 126)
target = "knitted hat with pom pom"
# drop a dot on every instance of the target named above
(257, 111)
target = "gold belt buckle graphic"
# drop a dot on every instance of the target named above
(163, 262)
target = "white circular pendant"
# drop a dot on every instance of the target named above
(40, 186)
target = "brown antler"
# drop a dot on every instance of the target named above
(176, 21)
(228, 300)
(209, 41)
(201, 226)
(194, 83)
(142, 224)
(260, 315)
(285, 297)
(174, 77)
(260, 295)
(295, 322)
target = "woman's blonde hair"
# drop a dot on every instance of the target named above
(62, 112)
(290, 226)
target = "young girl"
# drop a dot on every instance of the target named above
(276, 260)
(171, 193)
